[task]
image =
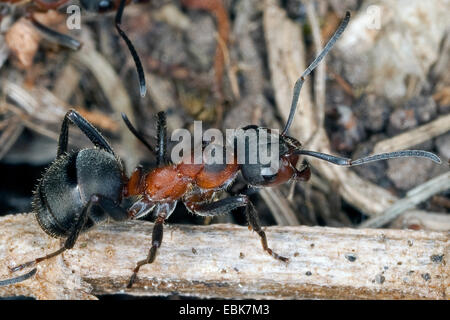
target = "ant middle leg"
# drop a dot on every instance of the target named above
(228, 204)
(160, 151)
(162, 139)
(157, 236)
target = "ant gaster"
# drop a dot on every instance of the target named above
(162, 187)
(78, 190)
(94, 6)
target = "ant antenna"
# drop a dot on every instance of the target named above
(18, 279)
(377, 157)
(137, 134)
(137, 61)
(299, 83)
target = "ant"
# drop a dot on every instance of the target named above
(83, 188)
(95, 6)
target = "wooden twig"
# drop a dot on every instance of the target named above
(279, 206)
(414, 137)
(10, 136)
(413, 197)
(227, 261)
(421, 220)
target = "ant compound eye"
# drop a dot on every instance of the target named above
(269, 173)
(105, 5)
(97, 6)
(259, 175)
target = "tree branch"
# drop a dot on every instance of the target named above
(227, 261)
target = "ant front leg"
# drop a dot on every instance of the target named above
(228, 204)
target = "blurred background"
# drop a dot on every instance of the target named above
(385, 86)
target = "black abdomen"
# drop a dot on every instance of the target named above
(67, 186)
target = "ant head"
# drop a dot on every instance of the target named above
(99, 6)
(267, 158)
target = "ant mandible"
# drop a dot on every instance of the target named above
(162, 187)
(95, 6)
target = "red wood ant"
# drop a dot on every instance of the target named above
(95, 6)
(83, 188)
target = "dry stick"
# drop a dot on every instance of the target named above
(420, 220)
(10, 135)
(279, 206)
(27, 122)
(413, 197)
(415, 136)
(67, 82)
(228, 262)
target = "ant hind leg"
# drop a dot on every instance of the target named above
(87, 128)
(134, 54)
(55, 36)
(71, 239)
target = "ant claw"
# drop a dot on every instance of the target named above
(277, 256)
(21, 266)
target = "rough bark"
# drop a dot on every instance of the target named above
(227, 261)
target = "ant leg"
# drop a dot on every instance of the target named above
(137, 61)
(161, 150)
(137, 134)
(18, 279)
(253, 220)
(228, 204)
(70, 241)
(157, 236)
(87, 128)
(55, 36)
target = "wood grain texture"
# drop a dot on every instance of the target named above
(226, 261)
